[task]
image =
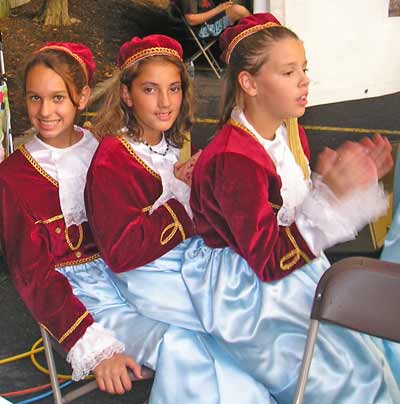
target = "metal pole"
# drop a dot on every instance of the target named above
(52, 367)
(305, 365)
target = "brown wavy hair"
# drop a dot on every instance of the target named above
(64, 65)
(249, 55)
(114, 114)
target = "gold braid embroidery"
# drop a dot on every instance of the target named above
(68, 240)
(275, 206)
(149, 52)
(70, 331)
(244, 34)
(130, 150)
(172, 227)
(50, 219)
(78, 262)
(295, 254)
(74, 327)
(36, 165)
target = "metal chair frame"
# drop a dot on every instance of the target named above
(357, 293)
(204, 45)
(50, 344)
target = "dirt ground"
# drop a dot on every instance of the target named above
(104, 26)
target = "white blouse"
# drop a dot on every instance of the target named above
(68, 166)
(163, 165)
(322, 219)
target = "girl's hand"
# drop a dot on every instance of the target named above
(380, 151)
(184, 171)
(112, 374)
(224, 6)
(347, 169)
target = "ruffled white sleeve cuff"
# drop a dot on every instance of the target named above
(323, 220)
(93, 347)
(173, 188)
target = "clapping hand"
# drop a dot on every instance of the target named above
(184, 171)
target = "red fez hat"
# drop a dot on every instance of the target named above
(244, 28)
(152, 45)
(81, 53)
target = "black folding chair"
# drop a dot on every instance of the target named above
(362, 294)
(50, 344)
(204, 45)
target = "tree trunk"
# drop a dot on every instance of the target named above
(54, 12)
(4, 8)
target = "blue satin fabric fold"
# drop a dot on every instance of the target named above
(191, 367)
(262, 327)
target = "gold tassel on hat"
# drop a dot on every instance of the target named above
(296, 147)
(186, 150)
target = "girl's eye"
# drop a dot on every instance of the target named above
(34, 98)
(288, 73)
(176, 89)
(149, 90)
(58, 98)
(305, 70)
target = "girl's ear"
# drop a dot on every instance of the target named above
(84, 98)
(247, 83)
(126, 96)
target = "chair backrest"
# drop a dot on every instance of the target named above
(362, 294)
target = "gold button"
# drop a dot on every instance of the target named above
(58, 230)
(78, 254)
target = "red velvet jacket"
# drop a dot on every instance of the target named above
(35, 241)
(120, 189)
(235, 198)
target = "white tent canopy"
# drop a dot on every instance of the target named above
(353, 47)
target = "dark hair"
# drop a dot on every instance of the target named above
(249, 54)
(114, 114)
(64, 65)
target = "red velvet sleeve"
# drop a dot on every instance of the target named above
(241, 192)
(47, 293)
(127, 236)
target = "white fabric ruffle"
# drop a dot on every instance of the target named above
(323, 220)
(96, 345)
(68, 166)
(173, 188)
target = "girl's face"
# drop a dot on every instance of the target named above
(281, 85)
(155, 97)
(49, 106)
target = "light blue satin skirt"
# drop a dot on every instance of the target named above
(261, 327)
(191, 367)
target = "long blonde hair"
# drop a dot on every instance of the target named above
(114, 114)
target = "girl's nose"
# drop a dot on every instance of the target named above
(305, 80)
(45, 108)
(163, 99)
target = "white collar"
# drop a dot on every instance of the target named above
(69, 167)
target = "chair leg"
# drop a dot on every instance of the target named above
(306, 362)
(52, 367)
(205, 52)
(80, 391)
